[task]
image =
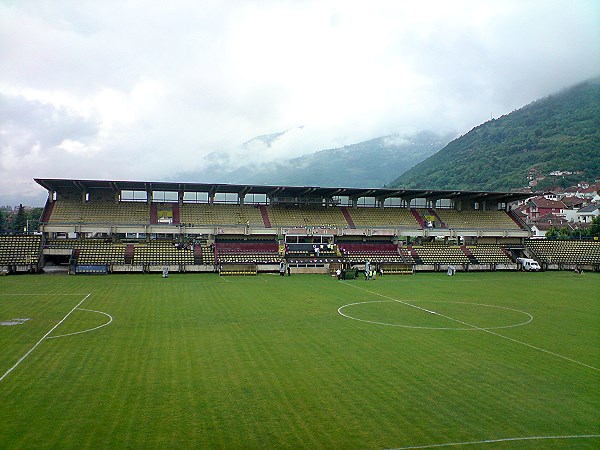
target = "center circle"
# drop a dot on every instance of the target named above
(435, 315)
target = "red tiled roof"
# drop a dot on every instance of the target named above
(573, 200)
(542, 202)
(590, 189)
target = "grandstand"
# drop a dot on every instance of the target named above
(564, 255)
(20, 253)
(133, 226)
(247, 252)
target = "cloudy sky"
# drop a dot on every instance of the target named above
(142, 90)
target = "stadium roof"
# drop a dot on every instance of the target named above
(85, 186)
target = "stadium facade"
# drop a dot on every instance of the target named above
(136, 226)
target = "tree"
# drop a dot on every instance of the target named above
(594, 228)
(2, 223)
(33, 216)
(19, 222)
(559, 233)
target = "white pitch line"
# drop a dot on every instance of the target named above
(110, 319)
(44, 337)
(436, 328)
(478, 328)
(492, 441)
(11, 295)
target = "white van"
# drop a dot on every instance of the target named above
(528, 264)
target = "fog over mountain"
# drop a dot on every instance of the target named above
(366, 164)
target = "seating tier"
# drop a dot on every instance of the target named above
(70, 211)
(489, 254)
(221, 214)
(474, 219)
(441, 254)
(20, 250)
(568, 252)
(383, 217)
(306, 217)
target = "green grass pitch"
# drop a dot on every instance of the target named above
(201, 361)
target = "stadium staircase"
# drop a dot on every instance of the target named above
(520, 223)
(176, 214)
(129, 252)
(198, 254)
(265, 216)
(74, 257)
(415, 256)
(153, 214)
(440, 221)
(348, 217)
(467, 252)
(418, 217)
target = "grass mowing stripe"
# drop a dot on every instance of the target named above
(474, 327)
(268, 362)
(494, 441)
(43, 337)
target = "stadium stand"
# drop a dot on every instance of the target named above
(310, 250)
(441, 254)
(222, 214)
(383, 217)
(374, 251)
(282, 216)
(99, 253)
(208, 255)
(88, 251)
(20, 253)
(495, 220)
(238, 269)
(489, 254)
(71, 211)
(249, 252)
(83, 223)
(159, 253)
(565, 252)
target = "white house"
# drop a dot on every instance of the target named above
(587, 214)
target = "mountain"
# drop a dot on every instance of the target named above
(266, 139)
(366, 164)
(558, 133)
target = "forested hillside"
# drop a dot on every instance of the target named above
(366, 164)
(370, 163)
(558, 133)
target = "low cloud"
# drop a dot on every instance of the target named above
(119, 90)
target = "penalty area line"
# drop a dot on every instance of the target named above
(43, 337)
(479, 328)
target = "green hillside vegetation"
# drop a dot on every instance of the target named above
(559, 132)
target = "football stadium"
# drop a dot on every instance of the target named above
(126, 226)
(148, 314)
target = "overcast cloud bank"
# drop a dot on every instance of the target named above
(124, 90)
